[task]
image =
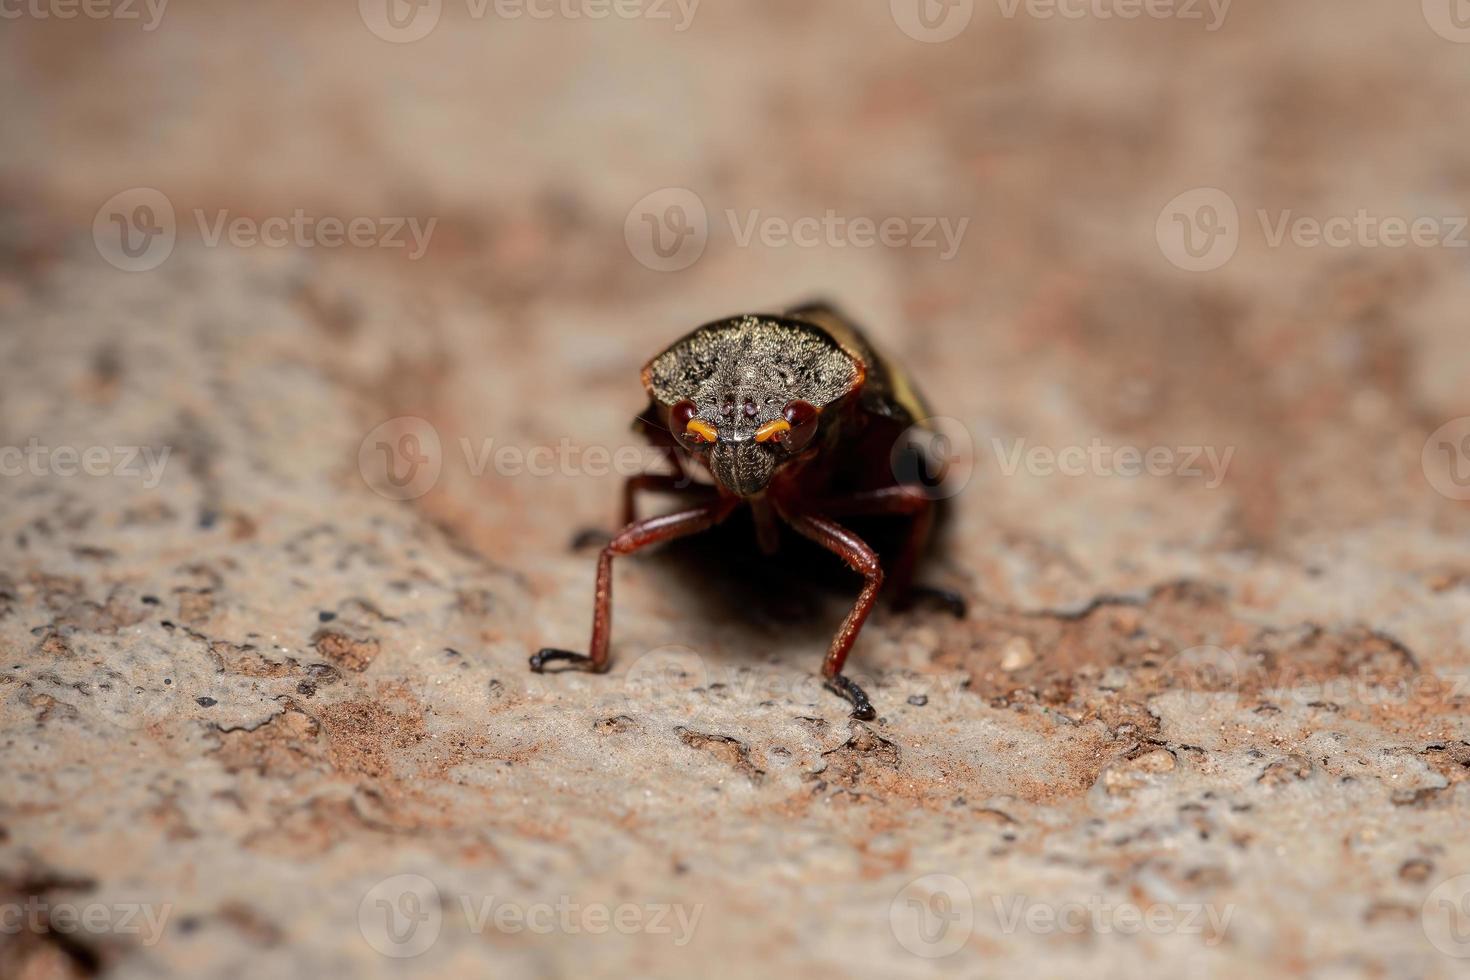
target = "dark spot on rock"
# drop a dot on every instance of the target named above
(323, 674)
(325, 616)
(1416, 870)
(918, 700)
(353, 653)
(168, 680)
(150, 600)
(206, 702)
(732, 752)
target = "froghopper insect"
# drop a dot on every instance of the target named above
(798, 418)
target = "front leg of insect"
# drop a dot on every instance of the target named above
(631, 539)
(900, 501)
(861, 559)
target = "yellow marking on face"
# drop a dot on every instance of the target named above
(701, 430)
(772, 429)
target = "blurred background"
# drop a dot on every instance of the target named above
(349, 303)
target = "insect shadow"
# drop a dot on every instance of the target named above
(797, 597)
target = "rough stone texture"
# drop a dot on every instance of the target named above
(251, 693)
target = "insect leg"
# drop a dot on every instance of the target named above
(900, 500)
(678, 483)
(633, 538)
(659, 483)
(861, 559)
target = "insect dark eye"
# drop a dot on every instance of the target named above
(687, 428)
(793, 430)
(802, 417)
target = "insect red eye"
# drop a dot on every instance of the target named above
(688, 428)
(802, 417)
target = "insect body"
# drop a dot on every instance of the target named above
(798, 418)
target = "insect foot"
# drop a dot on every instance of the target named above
(862, 708)
(576, 661)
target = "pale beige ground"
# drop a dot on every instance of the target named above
(1285, 803)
